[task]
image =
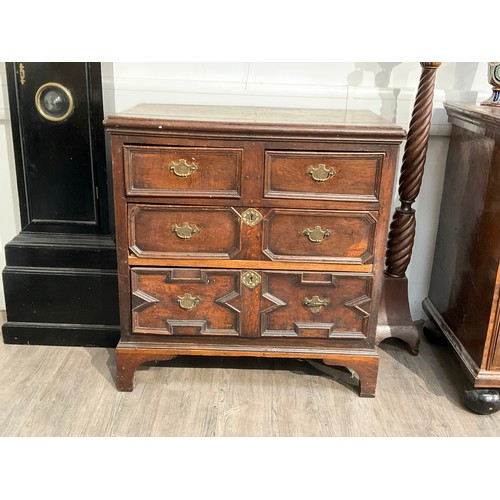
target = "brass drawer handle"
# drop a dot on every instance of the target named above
(182, 168)
(185, 232)
(187, 301)
(321, 173)
(317, 235)
(315, 304)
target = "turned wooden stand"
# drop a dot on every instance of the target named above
(395, 319)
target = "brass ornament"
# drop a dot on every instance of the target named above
(317, 235)
(185, 232)
(321, 173)
(42, 110)
(251, 217)
(250, 279)
(187, 301)
(22, 74)
(315, 304)
(182, 168)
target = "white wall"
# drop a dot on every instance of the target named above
(9, 211)
(386, 88)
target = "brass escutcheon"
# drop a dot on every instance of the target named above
(185, 232)
(250, 279)
(187, 301)
(315, 304)
(251, 217)
(321, 173)
(317, 235)
(182, 168)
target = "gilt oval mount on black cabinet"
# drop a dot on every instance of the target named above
(57, 113)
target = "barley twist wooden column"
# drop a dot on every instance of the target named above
(394, 317)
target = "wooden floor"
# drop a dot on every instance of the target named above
(70, 391)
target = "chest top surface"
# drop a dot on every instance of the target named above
(474, 117)
(161, 117)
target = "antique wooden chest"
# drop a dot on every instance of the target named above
(246, 231)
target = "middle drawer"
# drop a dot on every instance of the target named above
(321, 236)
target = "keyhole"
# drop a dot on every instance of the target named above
(251, 279)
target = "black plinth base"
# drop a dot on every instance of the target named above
(61, 290)
(60, 334)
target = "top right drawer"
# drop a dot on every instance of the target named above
(332, 176)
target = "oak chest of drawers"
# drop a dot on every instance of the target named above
(463, 304)
(247, 231)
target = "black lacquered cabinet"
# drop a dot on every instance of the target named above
(57, 113)
(60, 280)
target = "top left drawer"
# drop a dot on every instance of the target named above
(165, 171)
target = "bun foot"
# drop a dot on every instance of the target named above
(482, 401)
(434, 334)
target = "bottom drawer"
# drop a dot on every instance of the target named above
(181, 301)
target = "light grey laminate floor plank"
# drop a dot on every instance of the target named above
(70, 391)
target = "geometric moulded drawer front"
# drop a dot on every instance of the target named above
(326, 236)
(178, 172)
(319, 305)
(172, 301)
(201, 302)
(315, 236)
(158, 231)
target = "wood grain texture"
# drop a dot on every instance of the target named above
(403, 225)
(351, 176)
(216, 311)
(239, 119)
(213, 233)
(150, 171)
(285, 313)
(464, 292)
(343, 237)
(70, 391)
(251, 264)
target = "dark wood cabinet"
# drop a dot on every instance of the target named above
(251, 232)
(463, 301)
